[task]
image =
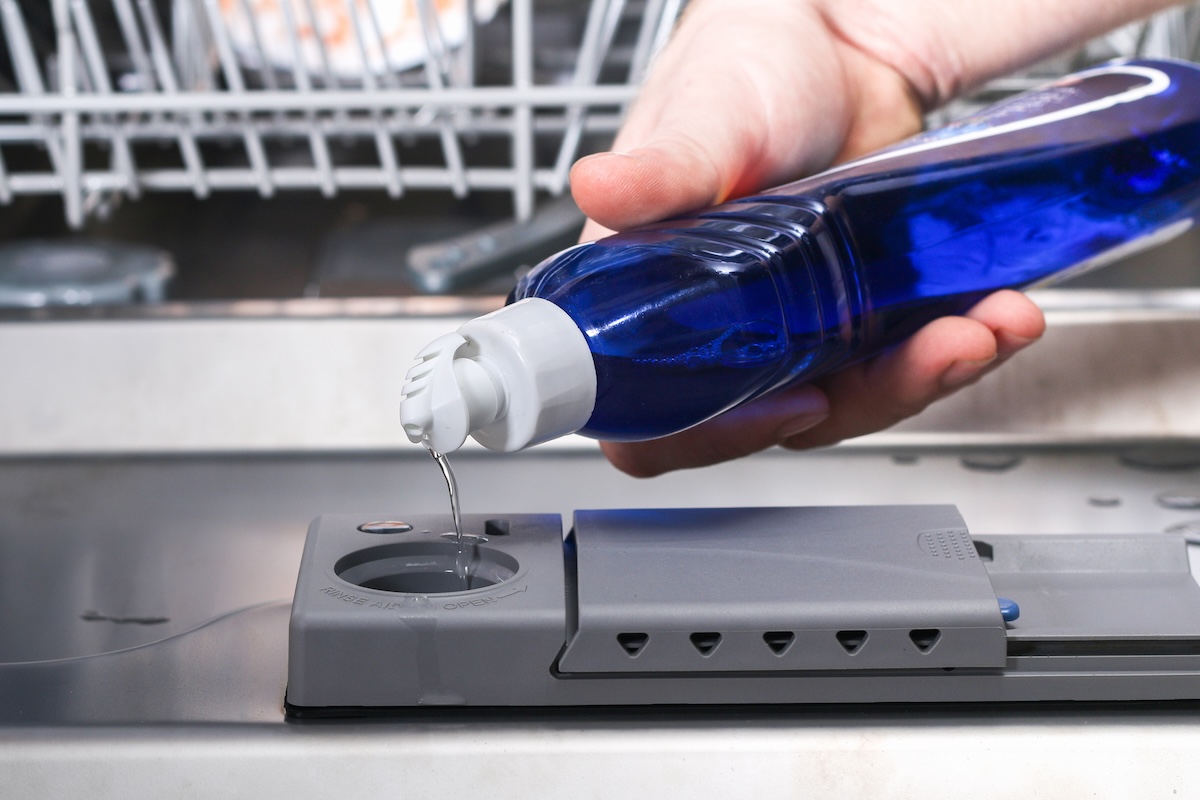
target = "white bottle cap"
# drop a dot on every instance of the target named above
(513, 378)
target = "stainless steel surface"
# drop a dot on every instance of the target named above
(181, 541)
(93, 702)
(1109, 370)
(144, 641)
(312, 308)
(190, 539)
(901, 755)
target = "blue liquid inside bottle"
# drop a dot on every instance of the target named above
(690, 317)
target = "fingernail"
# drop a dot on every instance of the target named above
(808, 406)
(1020, 341)
(961, 373)
(602, 157)
(1010, 344)
(800, 423)
(608, 155)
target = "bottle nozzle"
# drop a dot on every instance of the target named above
(446, 396)
(518, 376)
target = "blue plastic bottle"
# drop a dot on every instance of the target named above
(687, 318)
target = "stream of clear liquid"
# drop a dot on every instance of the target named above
(461, 561)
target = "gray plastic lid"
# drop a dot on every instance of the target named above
(80, 272)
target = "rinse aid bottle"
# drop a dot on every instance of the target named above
(650, 331)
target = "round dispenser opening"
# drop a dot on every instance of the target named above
(424, 567)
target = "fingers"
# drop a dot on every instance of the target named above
(745, 430)
(944, 356)
(1013, 318)
(873, 395)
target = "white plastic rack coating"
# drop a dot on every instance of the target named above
(104, 99)
(108, 90)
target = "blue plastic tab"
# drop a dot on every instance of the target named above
(1009, 610)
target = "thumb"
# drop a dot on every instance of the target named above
(622, 190)
(701, 132)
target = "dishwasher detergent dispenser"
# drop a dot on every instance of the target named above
(732, 606)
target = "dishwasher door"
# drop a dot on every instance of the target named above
(159, 476)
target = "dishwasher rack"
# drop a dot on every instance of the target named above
(106, 99)
(113, 98)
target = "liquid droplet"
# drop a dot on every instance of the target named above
(385, 526)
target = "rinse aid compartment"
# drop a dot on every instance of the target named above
(734, 606)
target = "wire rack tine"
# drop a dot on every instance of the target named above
(160, 57)
(665, 26)
(1163, 30)
(83, 75)
(383, 142)
(68, 79)
(128, 25)
(29, 77)
(1192, 21)
(265, 69)
(123, 162)
(436, 51)
(328, 173)
(657, 22)
(314, 19)
(6, 195)
(399, 116)
(189, 46)
(388, 75)
(255, 151)
(317, 144)
(466, 74)
(462, 72)
(522, 135)
(435, 47)
(603, 18)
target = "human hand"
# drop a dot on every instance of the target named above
(751, 94)
(946, 355)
